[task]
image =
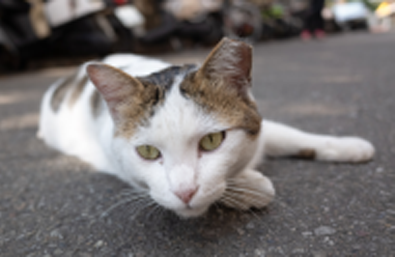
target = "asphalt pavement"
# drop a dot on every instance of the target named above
(55, 205)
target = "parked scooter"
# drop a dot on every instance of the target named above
(79, 28)
(175, 22)
(41, 28)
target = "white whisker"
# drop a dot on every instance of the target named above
(135, 198)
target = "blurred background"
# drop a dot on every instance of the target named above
(37, 33)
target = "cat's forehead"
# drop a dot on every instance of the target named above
(178, 99)
(166, 78)
(150, 93)
(181, 118)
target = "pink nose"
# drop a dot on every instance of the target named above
(186, 195)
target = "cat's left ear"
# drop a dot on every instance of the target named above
(118, 89)
(229, 62)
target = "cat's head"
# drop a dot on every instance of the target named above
(182, 132)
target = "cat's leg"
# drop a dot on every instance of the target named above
(282, 140)
(248, 189)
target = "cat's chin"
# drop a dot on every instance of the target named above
(187, 213)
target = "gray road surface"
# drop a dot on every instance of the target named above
(54, 205)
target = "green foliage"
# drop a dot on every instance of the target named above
(274, 11)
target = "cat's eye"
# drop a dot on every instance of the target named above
(211, 141)
(148, 152)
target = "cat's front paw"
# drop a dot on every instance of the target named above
(346, 149)
(248, 190)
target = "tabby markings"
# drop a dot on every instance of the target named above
(165, 78)
(61, 91)
(221, 86)
(230, 106)
(72, 85)
(78, 89)
(307, 153)
(148, 94)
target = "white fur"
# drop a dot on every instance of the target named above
(176, 129)
(282, 140)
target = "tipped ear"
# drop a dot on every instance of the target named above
(116, 87)
(230, 62)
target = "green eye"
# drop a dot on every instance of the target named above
(211, 141)
(148, 152)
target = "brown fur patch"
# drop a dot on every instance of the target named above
(307, 154)
(150, 94)
(137, 109)
(61, 91)
(221, 86)
(165, 78)
(77, 91)
(231, 107)
(130, 101)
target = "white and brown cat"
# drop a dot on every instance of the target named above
(187, 136)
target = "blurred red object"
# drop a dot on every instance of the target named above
(120, 2)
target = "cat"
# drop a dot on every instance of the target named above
(187, 136)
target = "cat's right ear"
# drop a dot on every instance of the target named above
(116, 86)
(230, 62)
